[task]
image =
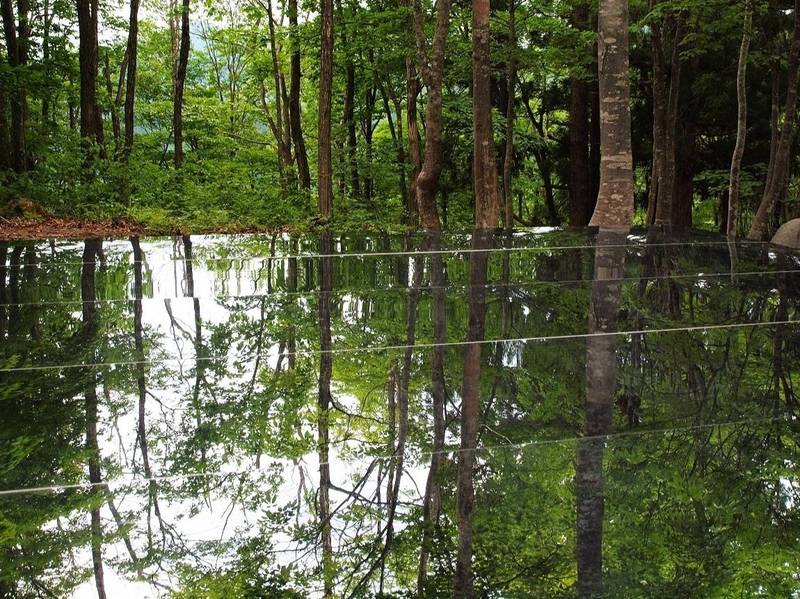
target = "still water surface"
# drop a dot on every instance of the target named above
(565, 414)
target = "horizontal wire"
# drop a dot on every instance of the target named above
(417, 346)
(390, 457)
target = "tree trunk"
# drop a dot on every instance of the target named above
(508, 155)
(427, 182)
(6, 151)
(615, 199)
(470, 409)
(659, 120)
(295, 120)
(594, 143)
(777, 176)
(282, 135)
(91, 119)
(180, 83)
(414, 155)
(581, 201)
(487, 201)
(741, 123)
(324, 167)
(601, 371)
(130, 84)
(665, 204)
(18, 97)
(113, 108)
(323, 410)
(350, 126)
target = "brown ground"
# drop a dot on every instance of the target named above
(51, 227)
(17, 228)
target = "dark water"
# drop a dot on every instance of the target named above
(167, 417)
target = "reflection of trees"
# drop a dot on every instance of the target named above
(245, 398)
(470, 406)
(601, 371)
(92, 249)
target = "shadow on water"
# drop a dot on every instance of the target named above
(590, 414)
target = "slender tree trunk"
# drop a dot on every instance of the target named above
(427, 182)
(615, 199)
(665, 204)
(324, 167)
(396, 130)
(180, 83)
(130, 84)
(113, 107)
(581, 201)
(282, 135)
(6, 150)
(508, 155)
(659, 120)
(487, 201)
(414, 155)
(601, 371)
(323, 411)
(778, 176)
(350, 125)
(91, 119)
(295, 120)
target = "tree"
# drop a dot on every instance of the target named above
(778, 173)
(615, 199)
(741, 123)
(426, 184)
(180, 84)
(484, 169)
(16, 39)
(91, 117)
(324, 165)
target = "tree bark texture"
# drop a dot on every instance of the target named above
(180, 84)
(581, 202)
(615, 199)
(324, 167)
(91, 118)
(487, 199)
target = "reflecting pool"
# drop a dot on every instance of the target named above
(543, 414)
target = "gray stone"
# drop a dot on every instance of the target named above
(789, 234)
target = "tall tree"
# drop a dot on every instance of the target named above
(432, 68)
(16, 39)
(741, 122)
(615, 199)
(180, 84)
(295, 119)
(667, 185)
(778, 173)
(508, 154)
(581, 200)
(131, 53)
(484, 169)
(91, 117)
(324, 166)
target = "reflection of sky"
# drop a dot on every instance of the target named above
(217, 520)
